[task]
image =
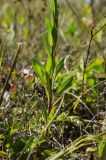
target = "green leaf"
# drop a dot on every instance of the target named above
(72, 27)
(47, 86)
(15, 128)
(74, 119)
(91, 149)
(54, 24)
(39, 68)
(53, 6)
(49, 65)
(36, 142)
(75, 145)
(102, 150)
(48, 152)
(65, 84)
(49, 29)
(76, 104)
(65, 118)
(60, 65)
(21, 19)
(43, 75)
(61, 117)
(44, 113)
(95, 65)
(91, 81)
(51, 114)
(46, 43)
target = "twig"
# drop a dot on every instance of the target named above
(89, 47)
(93, 11)
(29, 19)
(9, 76)
(15, 20)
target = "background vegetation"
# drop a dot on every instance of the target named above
(52, 80)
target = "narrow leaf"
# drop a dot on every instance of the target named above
(95, 65)
(38, 67)
(65, 84)
(102, 150)
(49, 65)
(49, 29)
(59, 66)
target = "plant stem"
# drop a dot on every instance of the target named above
(50, 100)
(93, 11)
(9, 76)
(88, 51)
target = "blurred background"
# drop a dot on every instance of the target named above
(24, 21)
(25, 116)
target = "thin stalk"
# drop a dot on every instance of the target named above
(93, 11)
(15, 20)
(53, 52)
(88, 51)
(51, 86)
(50, 100)
(9, 76)
(29, 19)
